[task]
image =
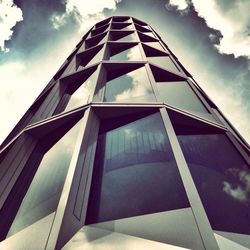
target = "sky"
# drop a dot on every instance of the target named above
(210, 38)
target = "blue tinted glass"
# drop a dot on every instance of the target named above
(222, 179)
(45, 189)
(135, 172)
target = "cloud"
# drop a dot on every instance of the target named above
(231, 18)
(10, 14)
(179, 4)
(239, 192)
(20, 85)
(85, 14)
(140, 87)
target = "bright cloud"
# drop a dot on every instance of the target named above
(179, 4)
(239, 192)
(20, 85)
(140, 87)
(231, 19)
(10, 14)
(86, 14)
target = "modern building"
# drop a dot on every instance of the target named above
(124, 150)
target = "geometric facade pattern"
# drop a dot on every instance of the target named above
(124, 150)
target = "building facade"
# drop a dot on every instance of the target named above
(124, 150)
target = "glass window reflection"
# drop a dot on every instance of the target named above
(135, 171)
(131, 54)
(45, 190)
(155, 45)
(128, 38)
(131, 87)
(222, 179)
(149, 34)
(129, 27)
(180, 95)
(164, 62)
(81, 95)
(97, 58)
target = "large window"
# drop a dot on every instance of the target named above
(125, 52)
(164, 62)
(135, 171)
(45, 189)
(180, 95)
(80, 96)
(122, 36)
(222, 178)
(131, 87)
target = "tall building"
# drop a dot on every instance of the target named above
(124, 150)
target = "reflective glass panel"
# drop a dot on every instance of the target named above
(131, 87)
(135, 171)
(131, 54)
(128, 38)
(99, 30)
(180, 95)
(97, 58)
(149, 34)
(45, 189)
(81, 95)
(155, 45)
(129, 27)
(163, 62)
(222, 179)
(121, 26)
(95, 41)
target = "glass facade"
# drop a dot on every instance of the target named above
(131, 87)
(127, 164)
(81, 95)
(128, 38)
(222, 179)
(163, 62)
(135, 171)
(45, 189)
(180, 95)
(131, 54)
(155, 45)
(97, 58)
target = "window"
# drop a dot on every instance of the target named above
(80, 96)
(131, 87)
(99, 30)
(125, 53)
(120, 19)
(121, 26)
(135, 171)
(90, 57)
(164, 62)
(98, 39)
(222, 179)
(179, 94)
(44, 192)
(123, 36)
(155, 45)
